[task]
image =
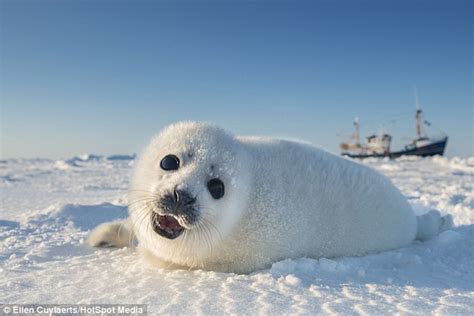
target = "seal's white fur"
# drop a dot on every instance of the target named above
(283, 199)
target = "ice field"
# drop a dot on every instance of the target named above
(48, 207)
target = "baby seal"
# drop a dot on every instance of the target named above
(204, 198)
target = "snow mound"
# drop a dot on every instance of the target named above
(87, 157)
(66, 164)
(77, 161)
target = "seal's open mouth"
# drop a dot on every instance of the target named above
(166, 226)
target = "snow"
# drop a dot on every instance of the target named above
(48, 207)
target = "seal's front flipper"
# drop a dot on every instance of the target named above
(432, 223)
(113, 234)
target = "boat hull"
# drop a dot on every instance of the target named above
(432, 149)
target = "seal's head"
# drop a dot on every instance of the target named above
(189, 190)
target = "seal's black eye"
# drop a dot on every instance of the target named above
(169, 162)
(216, 188)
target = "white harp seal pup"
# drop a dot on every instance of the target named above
(204, 198)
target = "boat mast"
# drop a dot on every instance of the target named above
(418, 123)
(356, 132)
(418, 117)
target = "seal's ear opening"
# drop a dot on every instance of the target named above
(216, 188)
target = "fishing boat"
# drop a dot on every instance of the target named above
(378, 145)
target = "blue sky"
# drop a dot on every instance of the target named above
(104, 76)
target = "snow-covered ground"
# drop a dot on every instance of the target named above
(47, 208)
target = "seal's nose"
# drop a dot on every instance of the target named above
(182, 197)
(177, 202)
